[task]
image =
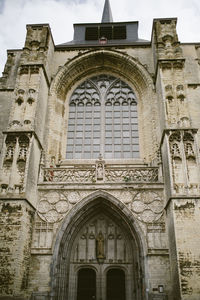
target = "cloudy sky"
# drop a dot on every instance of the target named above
(61, 14)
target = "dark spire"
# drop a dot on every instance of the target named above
(107, 13)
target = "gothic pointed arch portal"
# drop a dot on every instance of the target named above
(99, 240)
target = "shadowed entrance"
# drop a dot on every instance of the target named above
(99, 248)
(115, 285)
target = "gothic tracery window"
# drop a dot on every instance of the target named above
(102, 120)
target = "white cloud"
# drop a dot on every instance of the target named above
(61, 14)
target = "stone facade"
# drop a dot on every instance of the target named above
(59, 216)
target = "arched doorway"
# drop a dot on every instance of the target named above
(86, 287)
(115, 284)
(100, 239)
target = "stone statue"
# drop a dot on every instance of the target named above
(100, 245)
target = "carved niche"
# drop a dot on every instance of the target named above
(167, 39)
(101, 239)
(190, 155)
(176, 106)
(10, 148)
(176, 158)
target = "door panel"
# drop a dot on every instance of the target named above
(115, 285)
(86, 289)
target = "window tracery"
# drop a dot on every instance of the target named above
(103, 119)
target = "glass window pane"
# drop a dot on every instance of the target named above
(125, 114)
(127, 154)
(71, 121)
(136, 154)
(69, 155)
(70, 142)
(97, 121)
(96, 148)
(108, 133)
(96, 141)
(96, 134)
(126, 141)
(70, 148)
(109, 127)
(79, 134)
(117, 147)
(136, 147)
(79, 115)
(126, 133)
(108, 148)
(70, 134)
(134, 127)
(79, 128)
(126, 127)
(108, 155)
(109, 121)
(117, 127)
(134, 133)
(78, 148)
(96, 127)
(87, 148)
(77, 155)
(117, 155)
(87, 141)
(117, 133)
(87, 155)
(108, 141)
(125, 120)
(109, 114)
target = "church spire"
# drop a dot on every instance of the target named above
(107, 13)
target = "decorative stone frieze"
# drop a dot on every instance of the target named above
(53, 206)
(90, 174)
(147, 206)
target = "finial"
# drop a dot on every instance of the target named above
(107, 13)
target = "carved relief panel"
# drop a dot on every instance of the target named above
(185, 170)
(14, 160)
(25, 98)
(101, 239)
(176, 106)
(167, 39)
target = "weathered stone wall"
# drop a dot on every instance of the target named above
(16, 218)
(186, 223)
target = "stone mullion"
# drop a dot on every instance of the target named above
(13, 172)
(184, 162)
(170, 164)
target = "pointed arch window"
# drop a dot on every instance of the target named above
(103, 119)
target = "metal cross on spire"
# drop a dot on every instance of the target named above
(107, 13)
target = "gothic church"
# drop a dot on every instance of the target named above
(100, 165)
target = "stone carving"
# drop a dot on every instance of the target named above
(100, 245)
(23, 148)
(74, 197)
(132, 175)
(81, 175)
(10, 147)
(147, 206)
(176, 106)
(69, 175)
(167, 39)
(52, 206)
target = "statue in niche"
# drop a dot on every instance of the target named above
(100, 245)
(100, 171)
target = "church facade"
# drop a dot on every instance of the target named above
(99, 165)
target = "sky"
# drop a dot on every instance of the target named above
(62, 14)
